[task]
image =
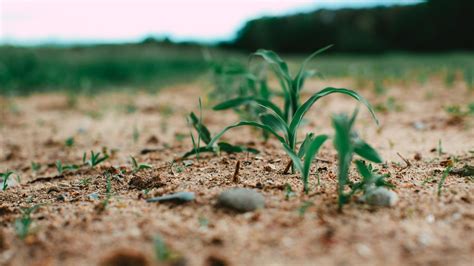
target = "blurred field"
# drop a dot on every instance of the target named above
(91, 69)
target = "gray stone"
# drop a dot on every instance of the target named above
(380, 196)
(178, 197)
(241, 199)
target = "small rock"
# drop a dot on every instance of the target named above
(418, 125)
(93, 196)
(381, 196)
(241, 199)
(179, 197)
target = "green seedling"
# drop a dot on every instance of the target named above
(138, 166)
(443, 179)
(288, 191)
(308, 150)
(69, 142)
(347, 143)
(85, 181)
(61, 168)
(23, 224)
(304, 207)
(136, 134)
(162, 252)
(35, 167)
(5, 176)
(291, 87)
(108, 190)
(204, 135)
(94, 160)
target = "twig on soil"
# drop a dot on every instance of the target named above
(287, 167)
(405, 160)
(235, 177)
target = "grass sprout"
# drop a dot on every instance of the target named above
(138, 166)
(23, 224)
(94, 159)
(5, 176)
(347, 143)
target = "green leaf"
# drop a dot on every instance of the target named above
(304, 146)
(313, 149)
(363, 170)
(366, 151)
(300, 76)
(246, 123)
(275, 60)
(295, 122)
(200, 128)
(197, 151)
(232, 103)
(296, 160)
(275, 122)
(229, 148)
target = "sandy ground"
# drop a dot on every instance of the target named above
(71, 228)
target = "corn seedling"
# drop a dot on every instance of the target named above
(69, 142)
(138, 166)
(35, 167)
(346, 142)
(291, 87)
(205, 135)
(5, 176)
(162, 252)
(23, 224)
(443, 179)
(94, 160)
(108, 189)
(61, 168)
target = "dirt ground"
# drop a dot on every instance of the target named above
(72, 228)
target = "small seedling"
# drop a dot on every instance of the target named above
(443, 179)
(23, 224)
(138, 166)
(61, 168)
(346, 142)
(162, 252)
(69, 142)
(304, 207)
(35, 167)
(136, 134)
(85, 181)
(5, 176)
(94, 160)
(108, 193)
(288, 191)
(205, 135)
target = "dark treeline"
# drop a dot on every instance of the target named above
(432, 26)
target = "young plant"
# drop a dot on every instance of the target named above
(23, 224)
(346, 142)
(35, 167)
(94, 160)
(69, 142)
(308, 150)
(443, 179)
(205, 135)
(162, 252)
(5, 176)
(138, 166)
(61, 168)
(291, 87)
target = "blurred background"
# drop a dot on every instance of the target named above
(91, 46)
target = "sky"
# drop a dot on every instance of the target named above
(109, 21)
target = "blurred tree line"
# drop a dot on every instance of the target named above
(434, 25)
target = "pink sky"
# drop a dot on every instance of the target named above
(122, 20)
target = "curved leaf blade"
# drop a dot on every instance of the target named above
(245, 123)
(295, 122)
(364, 150)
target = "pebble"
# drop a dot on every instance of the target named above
(241, 199)
(178, 197)
(381, 196)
